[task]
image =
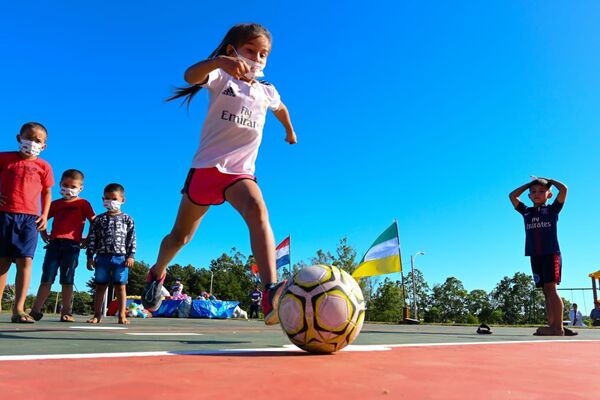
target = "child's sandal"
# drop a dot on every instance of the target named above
(36, 315)
(22, 319)
(66, 318)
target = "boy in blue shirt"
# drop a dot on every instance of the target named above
(541, 245)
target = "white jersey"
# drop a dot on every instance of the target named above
(233, 127)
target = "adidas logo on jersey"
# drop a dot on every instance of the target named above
(229, 92)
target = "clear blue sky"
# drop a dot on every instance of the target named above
(427, 112)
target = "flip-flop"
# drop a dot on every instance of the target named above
(22, 319)
(67, 318)
(546, 331)
(36, 315)
(569, 332)
(484, 330)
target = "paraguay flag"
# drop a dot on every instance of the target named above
(282, 253)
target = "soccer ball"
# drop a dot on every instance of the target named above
(322, 309)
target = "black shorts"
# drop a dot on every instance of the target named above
(546, 269)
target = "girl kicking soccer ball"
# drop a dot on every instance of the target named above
(223, 167)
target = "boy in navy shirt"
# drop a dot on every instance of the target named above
(541, 245)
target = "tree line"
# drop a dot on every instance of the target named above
(513, 301)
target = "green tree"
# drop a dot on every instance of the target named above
(137, 278)
(422, 289)
(387, 303)
(8, 297)
(449, 299)
(186, 275)
(479, 305)
(519, 301)
(232, 279)
(83, 303)
(344, 257)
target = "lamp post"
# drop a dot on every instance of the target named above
(412, 269)
(211, 281)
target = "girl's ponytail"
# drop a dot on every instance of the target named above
(236, 36)
(187, 92)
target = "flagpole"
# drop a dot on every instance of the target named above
(290, 237)
(404, 308)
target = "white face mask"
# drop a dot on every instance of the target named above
(69, 193)
(256, 69)
(112, 205)
(30, 147)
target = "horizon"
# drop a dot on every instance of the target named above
(425, 113)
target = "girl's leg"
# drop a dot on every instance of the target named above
(246, 197)
(22, 284)
(41, 297)
(67, 299)
(122, 300)
(187, 221)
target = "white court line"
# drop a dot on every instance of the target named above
(163, 334)
(99, 328)
(286, 348)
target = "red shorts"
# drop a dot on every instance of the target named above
(207, 186)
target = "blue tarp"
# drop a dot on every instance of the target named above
(200, 309)
(213, 309)
(167, 308)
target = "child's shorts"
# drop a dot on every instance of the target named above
(207, 186)
(18, 235)
(546, 269)
(63, 254)
(110, 268)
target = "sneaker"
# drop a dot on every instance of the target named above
(152, 292)
(270, 302)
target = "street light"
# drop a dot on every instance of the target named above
(412, 269)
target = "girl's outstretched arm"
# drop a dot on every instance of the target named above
(283, 115)
(197, 74)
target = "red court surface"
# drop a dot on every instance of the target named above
(520, 370)
(160, 358)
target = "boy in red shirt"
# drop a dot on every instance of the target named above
(64, 243)
(24, 180)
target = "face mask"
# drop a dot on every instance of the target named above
(30, 148)
(256, 69)
(68, 193)
(112, 205)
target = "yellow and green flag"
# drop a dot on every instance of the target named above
(383, 257)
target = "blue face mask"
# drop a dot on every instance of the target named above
(256, 69)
